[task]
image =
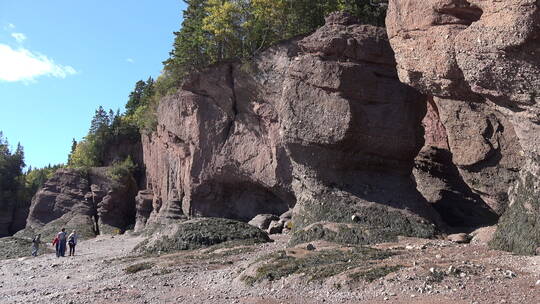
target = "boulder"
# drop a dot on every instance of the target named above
(262, 221)
(460, 238)
(482, 236)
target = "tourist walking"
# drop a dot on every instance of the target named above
(72, 242)
(56, 245)
(62, 240)
(35, 244)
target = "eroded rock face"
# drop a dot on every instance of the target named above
(479, 58)
(217, 151)
(12, 217)
(321, 123)
(89, 202)
(352, 131)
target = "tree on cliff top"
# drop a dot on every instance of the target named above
(216, 30)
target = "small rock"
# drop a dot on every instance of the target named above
(310, 247)
(509, 274)
(275, 227)
(263, 221)
(68, 277)
(459, 238)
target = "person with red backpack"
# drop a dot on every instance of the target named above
(55, 243)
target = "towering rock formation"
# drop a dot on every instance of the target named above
(479, 59)
(320, 123)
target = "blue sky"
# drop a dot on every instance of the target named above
(61, 59)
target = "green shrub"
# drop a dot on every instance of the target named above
(120, 170)
(519, 227)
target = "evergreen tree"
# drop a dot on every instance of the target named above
(100, 121)
(135, 96)
(73, 147)
(11, 171)
(191, 48)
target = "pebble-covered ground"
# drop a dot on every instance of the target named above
(105, 271)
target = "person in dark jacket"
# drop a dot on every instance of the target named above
(62, 240)
(72, 242)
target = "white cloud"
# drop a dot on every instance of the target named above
(24, 65)
(20, 37)
(8, 27)
(130, 60)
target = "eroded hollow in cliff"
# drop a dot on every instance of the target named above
(460, 12)
(240, 201)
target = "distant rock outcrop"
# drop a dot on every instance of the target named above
(12, 217)
(86, 200)
(479, 59)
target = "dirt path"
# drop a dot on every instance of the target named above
(97, 275)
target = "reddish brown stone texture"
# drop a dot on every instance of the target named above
(320, 119)
(480, 58)
(434, 131)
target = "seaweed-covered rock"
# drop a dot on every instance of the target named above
(318, 264)
(361, 234)
(519, 228)
(16, 247)
(199, 233)
(355, 223)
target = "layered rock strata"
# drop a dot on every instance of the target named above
(320, 123)
(88, 201)
(480, 60)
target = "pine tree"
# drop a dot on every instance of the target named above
(191, 48)
(100, 121)
(73, 147)
(135, 96)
